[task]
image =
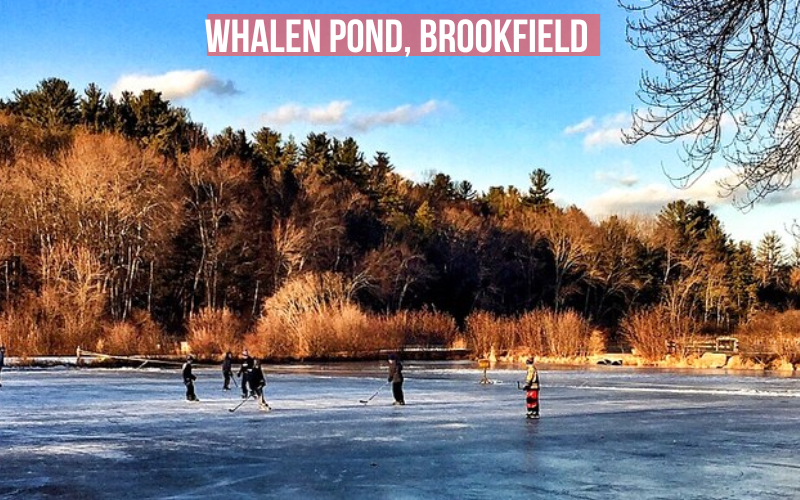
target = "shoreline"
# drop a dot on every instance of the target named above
(706, 362)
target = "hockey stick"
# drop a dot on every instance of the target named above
(365, 401)
(240, 404)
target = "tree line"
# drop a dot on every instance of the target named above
(121, 213)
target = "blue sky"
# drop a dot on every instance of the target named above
(489, 120)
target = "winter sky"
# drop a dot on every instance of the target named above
(489, 120)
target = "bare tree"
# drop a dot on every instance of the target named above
(729, 89)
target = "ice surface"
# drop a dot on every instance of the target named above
(609, 432)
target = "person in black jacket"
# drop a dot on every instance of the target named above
(189, 378)
(227, 371)
(396, 378)
(244, 372)
(257, 383)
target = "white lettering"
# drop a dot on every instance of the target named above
(218, 37)
(559, 48)
(461, 36)
(543, 35)
(351, 28)
(428, 32)
(486, 35)
(240, 35)
(337, 32)
(273, 35)
(500, 35)
(518, 35)
(584, 31)
(310, 34)
(259, 37)
(447, 29)
(374, 35)
(398, 32)
(291, 35)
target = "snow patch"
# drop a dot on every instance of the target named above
(98, 450)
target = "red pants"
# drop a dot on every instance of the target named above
(532, 400)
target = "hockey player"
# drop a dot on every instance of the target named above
(532, 389)
(396, 378)
(244, 372)
(189, 378)
(227, 371)
(257, 383)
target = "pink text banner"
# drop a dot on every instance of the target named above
(403, 35)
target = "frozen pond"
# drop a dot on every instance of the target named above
(604, 433)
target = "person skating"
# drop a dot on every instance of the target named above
(257, 383)
(396, 378)
(227, 371)
(2, 361)
(532, 389)
(244, 372)
(189, 378)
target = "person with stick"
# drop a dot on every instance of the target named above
(244, 372)
(189, 378)
(396, 378)
(227, 371)
(532, 389)
(257, 383)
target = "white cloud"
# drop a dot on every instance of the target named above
(175, 84)
(336, 113)
(581, 127)
(653, 197)
(332, 113)
(608, 132)
(401, 115)
(626, 180)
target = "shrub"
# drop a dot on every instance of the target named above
(139, 335)
(650, 332)
(214, 331)
(486, 331)
(768, 335)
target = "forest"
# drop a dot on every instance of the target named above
(125, 227)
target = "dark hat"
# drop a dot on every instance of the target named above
(391, 357)
(529, 361)
(190, 358)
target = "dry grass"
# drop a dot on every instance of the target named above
(649, 331)
(140, 335)
(540, 332)
(770, 336)
(214, 331)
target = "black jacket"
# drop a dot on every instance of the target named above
(257, 380)
(226, 365)
(396, 371)
(188, 376)
(247, 366)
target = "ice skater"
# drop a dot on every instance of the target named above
(257, 383)
(2, 362)
(244, 372)
(189, 378)
(532, 389)
(396, 378)
(227, 371)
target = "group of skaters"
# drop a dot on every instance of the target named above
(251, 374)
(253, 380)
